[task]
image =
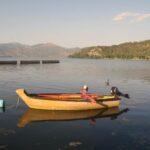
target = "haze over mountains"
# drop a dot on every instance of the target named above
(44, 50)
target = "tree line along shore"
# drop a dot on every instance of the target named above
(129, 50)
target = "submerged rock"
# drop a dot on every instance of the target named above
(4, 131)
(75, 143)
(3, 147)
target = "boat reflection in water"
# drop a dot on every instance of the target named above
(33, 115)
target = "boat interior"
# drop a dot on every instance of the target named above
(70, 96)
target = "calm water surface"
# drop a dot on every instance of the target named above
(129, 130)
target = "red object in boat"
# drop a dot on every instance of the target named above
(64, 95)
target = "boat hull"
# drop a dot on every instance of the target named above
(48, 104)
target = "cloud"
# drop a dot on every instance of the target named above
(134, 17)
(143, 16)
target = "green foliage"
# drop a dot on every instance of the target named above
(130, 50)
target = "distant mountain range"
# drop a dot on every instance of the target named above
(47, 50)
(129, 50)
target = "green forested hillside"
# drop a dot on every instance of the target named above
(130, 50)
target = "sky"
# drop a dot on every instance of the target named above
(74, 23)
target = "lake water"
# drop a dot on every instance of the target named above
(129, 130)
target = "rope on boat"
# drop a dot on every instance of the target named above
(17, 104)
(13, 105)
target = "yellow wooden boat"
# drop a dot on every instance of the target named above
(35, 115)
(37, 102)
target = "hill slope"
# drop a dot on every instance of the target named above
(130, 50)
(47, 50)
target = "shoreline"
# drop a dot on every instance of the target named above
(134, 59)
